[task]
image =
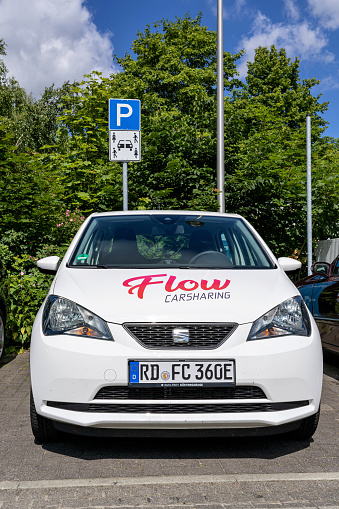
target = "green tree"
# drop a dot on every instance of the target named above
(173, 71)
(273, 80)
(12, 96)
(266, 152)
(29, 190)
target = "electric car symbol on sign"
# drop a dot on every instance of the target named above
(125, 144)
(173, 322)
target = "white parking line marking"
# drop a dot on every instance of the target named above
(189, 479)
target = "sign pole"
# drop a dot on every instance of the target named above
(124, 186)
(309, 195)
(220, 112)
(124, 116)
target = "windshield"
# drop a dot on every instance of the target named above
(156, 241)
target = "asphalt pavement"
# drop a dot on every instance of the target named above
(81, 472)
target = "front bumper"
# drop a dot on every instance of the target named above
(67, 372)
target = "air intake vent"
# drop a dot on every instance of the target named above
(183, 393)
(161, 335)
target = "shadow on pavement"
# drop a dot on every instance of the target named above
(93, 448)
(331, 365)
(7, 358)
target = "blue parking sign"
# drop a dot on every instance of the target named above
(124, 115)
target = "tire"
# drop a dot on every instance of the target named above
(307, 427)
(2, 333)
(42, 428)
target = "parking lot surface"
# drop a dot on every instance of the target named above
(130, 472)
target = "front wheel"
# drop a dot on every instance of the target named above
(42, 428)
(307, 427)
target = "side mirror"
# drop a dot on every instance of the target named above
(289, 264)
(321, 268)
(48, 265)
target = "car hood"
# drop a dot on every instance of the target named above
(181, 295)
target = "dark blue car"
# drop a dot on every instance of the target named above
(321, 294)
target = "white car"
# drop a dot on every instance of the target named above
(173, 323)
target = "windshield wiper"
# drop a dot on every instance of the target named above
(115, 267)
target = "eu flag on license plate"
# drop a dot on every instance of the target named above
(134, 372)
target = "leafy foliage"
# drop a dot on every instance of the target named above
(266, 155)
(27, 286)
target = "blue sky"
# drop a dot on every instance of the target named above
(51, 41)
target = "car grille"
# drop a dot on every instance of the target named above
(160, 335)
(183, 393)
(194, 408)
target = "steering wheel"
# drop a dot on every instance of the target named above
(212, 256)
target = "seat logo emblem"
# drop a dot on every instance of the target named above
(181, 336)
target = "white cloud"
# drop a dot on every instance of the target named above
(327, 11)
(240, 5)
(292, 10)
(299, 40)
(329, 83)
(52, 41)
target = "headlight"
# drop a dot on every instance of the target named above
(287, 319)
(62, 316)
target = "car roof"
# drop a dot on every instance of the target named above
(164, 212)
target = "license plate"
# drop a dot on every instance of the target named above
(182, 373)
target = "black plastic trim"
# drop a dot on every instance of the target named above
(176, 408)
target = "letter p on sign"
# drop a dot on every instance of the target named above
(120, 114)
(124, 114)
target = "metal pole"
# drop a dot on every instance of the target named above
(124, 186)
(309, 194)
(220, 111)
